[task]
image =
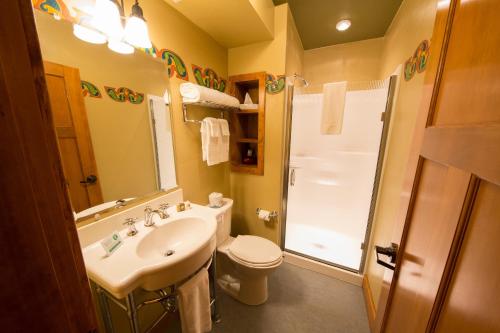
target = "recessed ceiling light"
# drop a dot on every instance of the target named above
(343, 25)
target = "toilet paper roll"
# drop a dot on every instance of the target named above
(264, 215)
(215, 200)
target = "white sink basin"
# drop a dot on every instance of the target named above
(177, 236)
(155, 257)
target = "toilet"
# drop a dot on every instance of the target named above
(243, 262)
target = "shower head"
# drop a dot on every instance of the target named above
(290, 80)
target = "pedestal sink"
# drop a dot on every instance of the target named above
(156, 257)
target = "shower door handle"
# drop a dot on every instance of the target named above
(292, 177)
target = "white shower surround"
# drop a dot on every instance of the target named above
(328, 206)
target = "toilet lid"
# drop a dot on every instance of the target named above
(255, 250)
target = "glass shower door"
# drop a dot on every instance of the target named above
(331, 178)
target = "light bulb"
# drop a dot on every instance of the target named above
(107, 19)
(343, 25)
(120, 47)
(136, 33)
(88, 35)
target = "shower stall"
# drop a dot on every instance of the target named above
(331, 181)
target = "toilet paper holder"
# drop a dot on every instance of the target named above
(272, 214)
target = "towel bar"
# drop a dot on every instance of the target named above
(208, 104)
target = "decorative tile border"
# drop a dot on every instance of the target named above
(175, 64)
(208, 78)
(56, 8)
(90, 90)
(124, 94)
(417, 62)
(275, 84)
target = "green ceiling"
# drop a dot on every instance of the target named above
(316, 19)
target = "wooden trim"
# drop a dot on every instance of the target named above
(45, 284)
(371, 310)
(458, 239)
(465, 147)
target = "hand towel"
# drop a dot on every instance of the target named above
(214, 146)
(332, 114)
(205, 138)
(224, 151)
(209, 143)
(194, 304)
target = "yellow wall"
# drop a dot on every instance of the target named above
(413, 23)
(294, 61)
(120, 132)
(356, 61)
(248, 191)
(169, 29)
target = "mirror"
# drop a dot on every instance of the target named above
(112, 122)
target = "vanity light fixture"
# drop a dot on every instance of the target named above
(102, 21)
(88, 35)
(343, 25)
(136, 31)
(107, 19)
(120, 47)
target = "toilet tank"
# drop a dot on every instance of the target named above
(224, 221)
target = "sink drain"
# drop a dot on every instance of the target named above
(168, 253)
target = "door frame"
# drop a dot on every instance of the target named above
(42, 262)
(287, 139)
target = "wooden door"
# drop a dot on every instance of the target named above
(73, 135)
(446, 276)
(44, 286)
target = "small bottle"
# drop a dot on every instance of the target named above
(248, 159)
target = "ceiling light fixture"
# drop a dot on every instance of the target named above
(343, 25)
(136, 31)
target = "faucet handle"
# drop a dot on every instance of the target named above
(164, 206)
(130, 221)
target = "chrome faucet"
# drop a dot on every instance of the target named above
(149, 213)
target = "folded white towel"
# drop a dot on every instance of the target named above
(193, 93)
(194, 304)
(332, 114)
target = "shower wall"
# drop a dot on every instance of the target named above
(331, 177)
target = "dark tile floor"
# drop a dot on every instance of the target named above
(300, 301)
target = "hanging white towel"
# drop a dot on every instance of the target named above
(332, 114)
(224, 151)
(194, 304)
(210, 140)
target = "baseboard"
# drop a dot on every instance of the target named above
(370, 305)
(321, 268)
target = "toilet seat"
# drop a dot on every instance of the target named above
(255, 251)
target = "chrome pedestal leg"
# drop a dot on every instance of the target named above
(132, 313)
(106, 314)
(212, 281)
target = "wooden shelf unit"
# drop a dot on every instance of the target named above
(248, 126)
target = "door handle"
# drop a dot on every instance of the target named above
(390, 251)
(91, 179)
(292, 177)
